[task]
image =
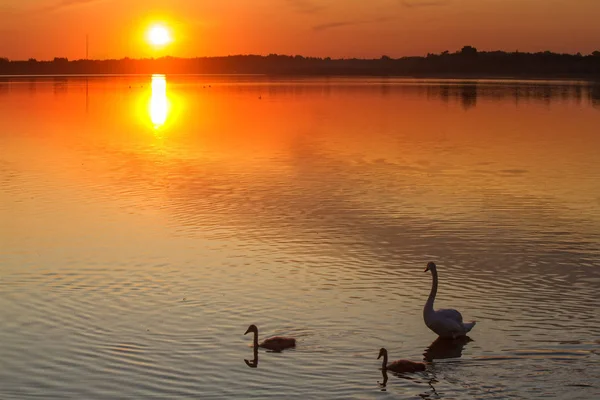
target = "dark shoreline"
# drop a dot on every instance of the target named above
(467, 63)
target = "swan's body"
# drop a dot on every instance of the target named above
(447, 323)
(277, 343)
(399, 365)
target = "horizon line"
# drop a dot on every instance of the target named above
(328, 58)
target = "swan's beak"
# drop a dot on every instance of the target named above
(426, 269)
(247, 332)
(379, 356)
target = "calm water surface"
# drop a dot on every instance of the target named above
(146, 222)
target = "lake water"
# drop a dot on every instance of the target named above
(145, 222)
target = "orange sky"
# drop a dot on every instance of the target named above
(44, 29)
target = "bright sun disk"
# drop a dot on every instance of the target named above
(158, 35)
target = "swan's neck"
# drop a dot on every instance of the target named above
(256, 339)
(384, 363)
(434, 287)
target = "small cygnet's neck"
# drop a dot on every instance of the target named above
(385, 361)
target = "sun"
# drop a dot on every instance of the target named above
(159, 35)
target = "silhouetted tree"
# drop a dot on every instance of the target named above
(468, 51)
(596, 53)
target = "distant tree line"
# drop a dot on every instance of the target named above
(467, 62)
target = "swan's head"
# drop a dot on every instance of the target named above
(430, 266)
(251, 328)
(382, 353)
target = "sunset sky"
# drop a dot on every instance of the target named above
(44, 29)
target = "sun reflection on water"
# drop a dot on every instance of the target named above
(159, 103)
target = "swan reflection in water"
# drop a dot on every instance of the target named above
(254, 362)
(441, 349)
(429, 380)
(383, 383)
(433, 393)
(446, 348)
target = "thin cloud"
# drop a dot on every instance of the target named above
(340, 24)
(66, 4)
(307, 6)
(331, 25)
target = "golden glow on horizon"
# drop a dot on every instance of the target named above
(159, 35)
(159, 103)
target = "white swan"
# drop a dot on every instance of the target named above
(446, 323)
